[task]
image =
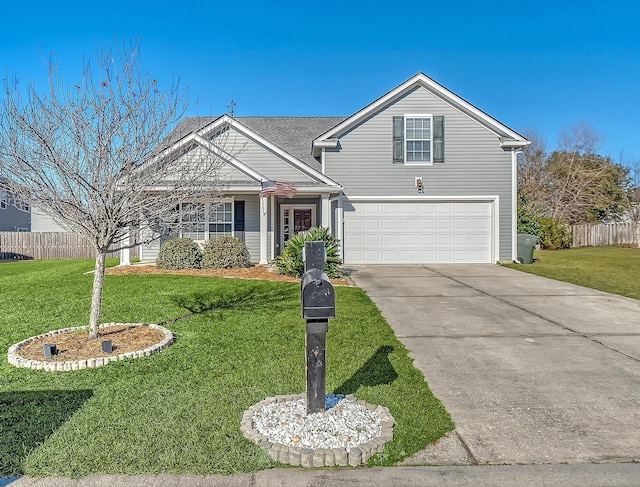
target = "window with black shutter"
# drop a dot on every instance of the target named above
(418, 139)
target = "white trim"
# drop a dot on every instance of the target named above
(493, 199)
(423, 197)
(340, 225)
(325, 211)
(420, 79)
(308, 206)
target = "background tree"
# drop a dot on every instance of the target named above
(572, 184)
(89, 154)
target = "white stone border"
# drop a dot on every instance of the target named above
(16, 359)
(318, 457)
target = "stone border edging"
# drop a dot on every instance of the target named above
(319, 457)
(17, 360)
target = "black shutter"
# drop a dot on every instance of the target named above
(398, 140)
(238, 219)
(438, 139)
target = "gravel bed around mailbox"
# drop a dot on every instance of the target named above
(349, 432)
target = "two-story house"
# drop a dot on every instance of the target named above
(417, 176)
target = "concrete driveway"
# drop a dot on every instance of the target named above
(532, 370)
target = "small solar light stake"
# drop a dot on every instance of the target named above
(50, 350)
(107, 347)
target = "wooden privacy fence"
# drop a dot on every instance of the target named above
(606, 234)
(47, 245)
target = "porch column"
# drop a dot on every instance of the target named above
(125, 254)
(325, 217)
(340, 229)
(264, 240)
(272, 250)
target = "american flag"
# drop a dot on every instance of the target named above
(278, 188)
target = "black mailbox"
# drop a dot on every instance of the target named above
(318, 296)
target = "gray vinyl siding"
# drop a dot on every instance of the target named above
(11, 218)
(227, 174)
(474, 162)
(264, 161)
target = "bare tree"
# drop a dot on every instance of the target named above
(90, 155)
(572, 184)
(533, 181)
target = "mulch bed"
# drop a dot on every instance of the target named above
(260, 272)
(75, 345)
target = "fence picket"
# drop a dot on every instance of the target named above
(606, 234)
(48, 245)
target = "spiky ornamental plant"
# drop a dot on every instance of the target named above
(290, 262)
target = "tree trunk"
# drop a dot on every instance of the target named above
(96, 298)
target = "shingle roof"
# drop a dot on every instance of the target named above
(291, 134)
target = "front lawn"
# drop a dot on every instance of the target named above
(610, 269)
(179, 411)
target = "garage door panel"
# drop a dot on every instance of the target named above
(418, 232)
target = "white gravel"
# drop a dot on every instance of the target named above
(345, 424)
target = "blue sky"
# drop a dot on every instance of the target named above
(542, 65)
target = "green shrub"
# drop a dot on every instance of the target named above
(290, 261)
(179, 253)
(528, 221)
(225, 252)
(555, 235)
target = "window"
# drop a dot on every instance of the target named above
(220, 219)
(202, 221)
(418, 139)
(193, 221)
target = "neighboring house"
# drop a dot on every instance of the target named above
(41, 222)
(417, 176)
(15, 215)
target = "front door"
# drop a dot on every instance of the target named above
(295, 219)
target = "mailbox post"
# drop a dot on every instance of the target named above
(318, 305)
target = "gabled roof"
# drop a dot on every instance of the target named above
(289, 137)
(508, 137)
(291, 134)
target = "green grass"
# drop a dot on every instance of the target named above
(179, 411)
(610, 269)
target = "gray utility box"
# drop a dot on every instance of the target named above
(318, 296)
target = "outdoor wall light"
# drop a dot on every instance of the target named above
(107, 346)
(50, 350)
(419, 186)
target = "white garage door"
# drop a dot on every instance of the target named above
(417, 232)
